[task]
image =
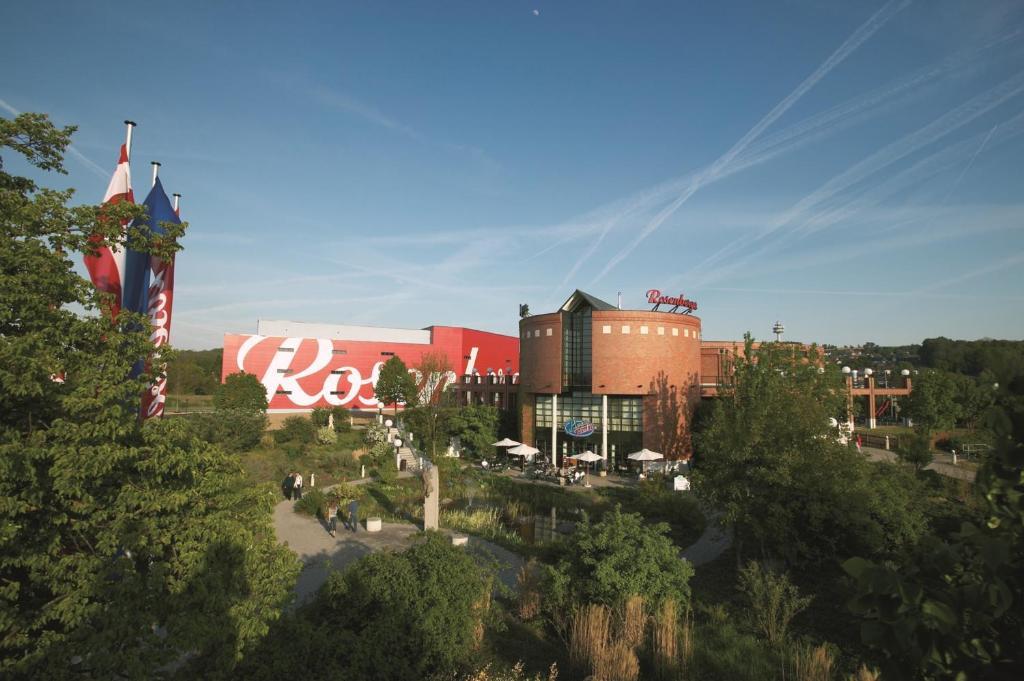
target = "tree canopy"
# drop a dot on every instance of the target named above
(395, 384)
(621, 556)
(770, 464)
(122, 546)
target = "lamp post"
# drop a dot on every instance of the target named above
(848, 373)
(398, 458)
(905, 373)
(868, 373)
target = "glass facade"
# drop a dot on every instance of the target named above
(577, 372)
(625, 424)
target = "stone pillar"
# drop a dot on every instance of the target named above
(554, 430)
(604, 429)
(432, 493)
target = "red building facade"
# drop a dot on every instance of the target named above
(303, 366)
(633, 375)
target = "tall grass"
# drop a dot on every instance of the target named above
(633, 622)
(617, 662)
(528, 586)
(774, 600)
(665, 640)
(483, 522)
(589, 631)
(812, 664)
(865, 674)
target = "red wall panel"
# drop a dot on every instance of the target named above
(303, 373)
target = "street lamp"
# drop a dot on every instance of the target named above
(398, 458)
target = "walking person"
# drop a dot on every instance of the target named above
(297, 486)
(288, 485)
(859, 443)
(353, 515)
(332, 516)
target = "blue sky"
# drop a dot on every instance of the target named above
(851, 168)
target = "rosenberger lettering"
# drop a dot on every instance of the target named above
(340, 386)
(654, 297)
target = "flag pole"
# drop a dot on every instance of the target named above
(128, 138)
(177, 199)
(156, 170)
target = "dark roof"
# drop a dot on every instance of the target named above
(595, 303)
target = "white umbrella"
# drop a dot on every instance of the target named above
(588, 457)
(525, 451)
(645, 455)
(506, 443)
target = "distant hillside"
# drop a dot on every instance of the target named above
(194, 372)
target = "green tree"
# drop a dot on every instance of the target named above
(917, 451)
(122, 546)
(621, 556)
(430, 419)
(408, 615)
(954, 607)
(933, 402)
(774, 600)
(243, 392)
(395, 384)
(769, 463)
(476, 426)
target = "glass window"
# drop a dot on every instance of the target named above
(577, 348)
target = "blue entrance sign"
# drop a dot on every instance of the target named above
(579, 428)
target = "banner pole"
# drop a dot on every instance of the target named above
(156, 170)
(128, 138)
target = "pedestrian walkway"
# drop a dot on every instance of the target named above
(942, 464)
(321, 553)
(712, 543)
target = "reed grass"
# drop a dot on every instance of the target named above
(665, 640)
(589, 632)
(617, 662)
(528, 587)
(813, 664)
(633, 623)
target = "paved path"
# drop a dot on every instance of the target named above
(321, 553)
(941, 464)
(712, 543)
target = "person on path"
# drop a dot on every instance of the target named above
(288, 485)
(297, 486)
(859, 443)
(332, 516)
(353, 515)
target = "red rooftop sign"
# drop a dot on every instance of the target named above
(655, 298)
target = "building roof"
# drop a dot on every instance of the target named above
(579, 296)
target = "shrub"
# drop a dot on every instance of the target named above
(295, 429)
(774, 600)
(312, 503)
(375, 434)
(342, 420)
(235, 430)
(618, 557)
(326, 436)
(320, 416)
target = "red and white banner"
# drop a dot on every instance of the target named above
(161, 296)
(303, 373)
(106, 268)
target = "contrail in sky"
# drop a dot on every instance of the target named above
(952, 120)
(88, 162)
(862, 34)
(811, 129)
